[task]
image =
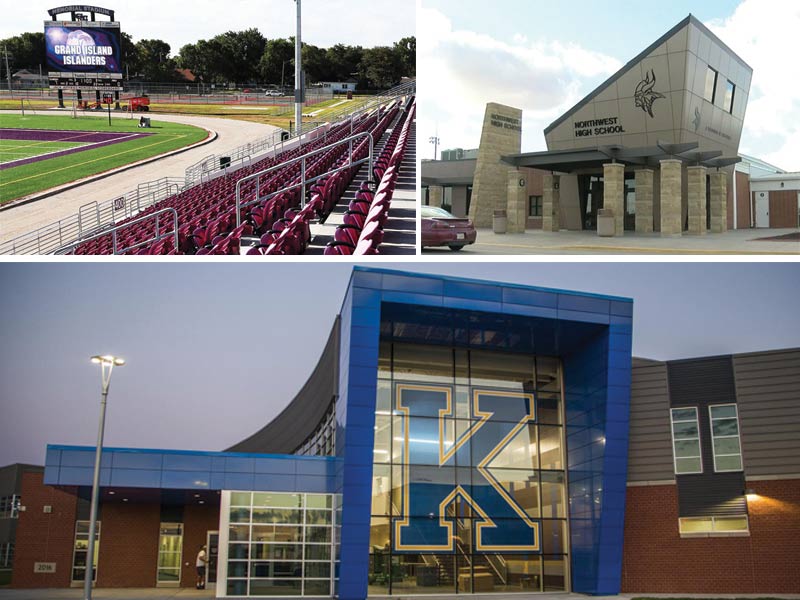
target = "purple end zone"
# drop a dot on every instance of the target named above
(92, 139)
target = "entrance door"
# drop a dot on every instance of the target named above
(590, 192)
(212, 543)
(762, 209)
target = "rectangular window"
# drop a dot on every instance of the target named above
(9, 507)
(686, 441)
(534, 206)
(6, 555)
(170, 545)
(711, 85)
(725, 440)
(79, 561)
(713, 526)
(730, 93)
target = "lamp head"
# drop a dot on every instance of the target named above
(108, 360)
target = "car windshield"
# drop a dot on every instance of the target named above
(435, 211)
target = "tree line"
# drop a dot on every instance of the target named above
(243, 57)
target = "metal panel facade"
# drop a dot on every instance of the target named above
(701, 383)
(650, 449)
(768, 387)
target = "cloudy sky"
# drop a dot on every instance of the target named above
(543, 57)
(216, 350)
(325, 22)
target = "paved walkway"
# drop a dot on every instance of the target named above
(168, 594)
(739, 241)
(230, 134)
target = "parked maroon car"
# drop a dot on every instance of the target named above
(440, 228)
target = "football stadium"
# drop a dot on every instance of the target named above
(316, 174)
(456, 436)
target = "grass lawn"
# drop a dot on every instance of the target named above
(27, 179)
(279, 116)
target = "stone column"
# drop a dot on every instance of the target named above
(719, 202)
(644, 201)
(614, 194)
(696, 177)
(501, 135)
(517, 201)
(435, 194)
(551, 215)
(671, 224)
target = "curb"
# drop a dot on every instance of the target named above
(212, 135)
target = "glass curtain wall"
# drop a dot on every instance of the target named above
(469, 490)
(279, 544)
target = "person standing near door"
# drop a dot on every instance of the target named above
(202, 559)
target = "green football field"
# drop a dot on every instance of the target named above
(19, 181)
(11, 150)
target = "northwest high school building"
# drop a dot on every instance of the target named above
(655, 148)
(457, 437)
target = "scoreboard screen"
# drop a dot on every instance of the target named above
(79, 48)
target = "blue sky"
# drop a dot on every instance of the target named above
(543, 57)
(581, 21)
(217, 350)
(357, 22)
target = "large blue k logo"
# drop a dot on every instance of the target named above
(430, 452)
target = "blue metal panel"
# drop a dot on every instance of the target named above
(530, 297)
(146, 478)
(231, 470)
(179, 462)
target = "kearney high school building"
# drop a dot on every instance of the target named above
(457, 437)
(654, 148)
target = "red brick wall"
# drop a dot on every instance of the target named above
(128, 538)
(197, 521)
(657, 560)
(44, 537)
(128, 545)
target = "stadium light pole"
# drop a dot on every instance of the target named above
(107, 364)
(298, 70)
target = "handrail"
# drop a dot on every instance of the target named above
(70, 249)
(62, 233)
(303, 181)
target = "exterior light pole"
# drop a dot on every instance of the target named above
(298, 75)
(107, 364)
(435, 141)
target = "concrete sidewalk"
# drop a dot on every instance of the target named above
(739, 241)
(168, 594)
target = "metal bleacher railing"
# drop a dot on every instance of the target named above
(94, 218)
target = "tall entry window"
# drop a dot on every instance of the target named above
(277, 544)
(469, 483)
(170, 545)
(81, 550)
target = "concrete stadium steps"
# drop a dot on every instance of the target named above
(400, 229)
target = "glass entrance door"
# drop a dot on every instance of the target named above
(590, 188)
(212, 543)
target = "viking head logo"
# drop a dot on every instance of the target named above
(644, 95)
(696, 120)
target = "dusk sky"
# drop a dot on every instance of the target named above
(216, 350)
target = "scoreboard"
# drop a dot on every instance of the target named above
(83, 55)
